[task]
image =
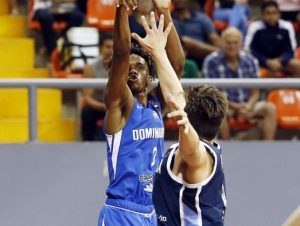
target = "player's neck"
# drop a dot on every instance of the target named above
(207, 140)
(142, 97)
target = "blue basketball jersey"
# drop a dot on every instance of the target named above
(179, 203)
(134, 153)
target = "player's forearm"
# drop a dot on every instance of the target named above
(174, 49)
(121, 37)
(168, 79)
(191, 150)
(188, 142)
(117, 79)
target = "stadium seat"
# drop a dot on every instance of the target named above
(101, 14)
(287, 102)
(35, 25)
(56, 69)
(240, 123)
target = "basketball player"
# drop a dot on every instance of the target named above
(189, 184)
(133, 126)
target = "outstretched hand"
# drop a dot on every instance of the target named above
(178, 114)
(156, 37)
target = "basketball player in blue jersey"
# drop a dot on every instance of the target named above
(133, 126)
(189, 186)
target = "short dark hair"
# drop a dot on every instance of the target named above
(206, 107)
(104, 36)
(267, 4)
(137, 50)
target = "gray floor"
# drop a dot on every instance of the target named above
(63, 184)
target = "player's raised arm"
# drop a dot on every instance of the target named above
(191, 151)
(174, 49)
(118, 98)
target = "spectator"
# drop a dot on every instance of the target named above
(235, 12)
(14, 8)
(232, 62)
(93, 105)
(196, 30)
(272, 41)
(47, 12)
(290, 10)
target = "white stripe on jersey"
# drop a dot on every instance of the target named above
(114, 146)
(197, 202)
(181, 181)
(181, 206)
(148, 215)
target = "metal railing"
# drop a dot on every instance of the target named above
(33, 84)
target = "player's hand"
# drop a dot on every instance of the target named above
(178, 114)
(162, 4)
(245, 114)
(128, 4)
(156, 37)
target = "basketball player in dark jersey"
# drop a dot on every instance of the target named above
(133, 125)
(189, 185)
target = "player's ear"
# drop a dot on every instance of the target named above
(149, 80)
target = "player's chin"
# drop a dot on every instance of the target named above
(133, 86)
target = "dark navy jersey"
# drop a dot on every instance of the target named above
(134, 153)
(179, 203)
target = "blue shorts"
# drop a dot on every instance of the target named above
(121, 212)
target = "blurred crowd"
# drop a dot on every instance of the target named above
(221, 39)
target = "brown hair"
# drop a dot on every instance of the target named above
(206, 108)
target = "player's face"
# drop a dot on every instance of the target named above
(271, 15)
(181, 4)
(138, 75)
(106, 49)
(231, 44)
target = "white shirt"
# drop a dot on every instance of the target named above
(41, 4)
(289, 5)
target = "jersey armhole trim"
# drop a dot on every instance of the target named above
(180, 181)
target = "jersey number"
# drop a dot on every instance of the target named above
(154, 156)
